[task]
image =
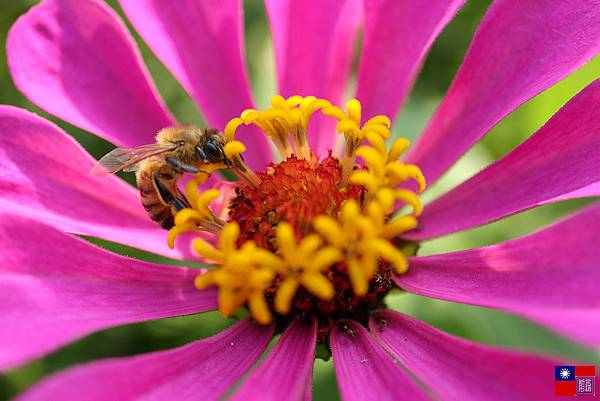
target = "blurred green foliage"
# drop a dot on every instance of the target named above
(477, 324)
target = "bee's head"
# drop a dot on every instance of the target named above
(210, 148)
(194, 144)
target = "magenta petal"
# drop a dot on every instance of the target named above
(44, 174)
(520, 49)
(55, 288)
(363, 369)
(76, 60)
(314, 43)
(585, 192)
(393, 52)
(201, 43)
(307, 395)
(284, 373)
(550, 276)
(203, 370)
(460, 370)
(560, 160)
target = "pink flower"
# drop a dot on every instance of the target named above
(76, 60)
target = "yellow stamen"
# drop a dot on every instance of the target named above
(354, 110)
(233, 149)
(244, 273)
(286, 119)
(240, 278)
(354, 134)
(398, 148)
(285, 295)
(365, 237)
(303, 264)
(231, 128)
(199, 216)
(383, 170)
(381, 120)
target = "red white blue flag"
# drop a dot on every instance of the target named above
(574, 380)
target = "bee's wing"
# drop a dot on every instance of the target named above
(127, 159)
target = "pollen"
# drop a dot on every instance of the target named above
(308, 236)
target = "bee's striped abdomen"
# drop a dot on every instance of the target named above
(151, 201)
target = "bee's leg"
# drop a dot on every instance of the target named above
(228, 162)
(179, 204)
(180, 167)
(201, 155)
(177, 201)
(164, 193)
(213, 153)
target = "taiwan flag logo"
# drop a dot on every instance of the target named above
(574, 380)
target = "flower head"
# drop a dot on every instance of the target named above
(308, 236)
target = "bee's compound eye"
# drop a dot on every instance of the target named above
(213, 151)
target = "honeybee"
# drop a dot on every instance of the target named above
(159, 166)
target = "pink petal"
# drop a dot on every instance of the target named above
(557, 161)
(44, 174)
(392, 53)
(203, 370)
(585, 192)
(521, 48)
(76, 60)
(314, 45)
(363, 369)
(55, 288)
(456, 369)
(284, 373)
(307, 395)
(550, 276)
(201, 43)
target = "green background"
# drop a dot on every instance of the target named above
(477, 324)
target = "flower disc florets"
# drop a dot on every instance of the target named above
(295, 191)
(307, 237)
